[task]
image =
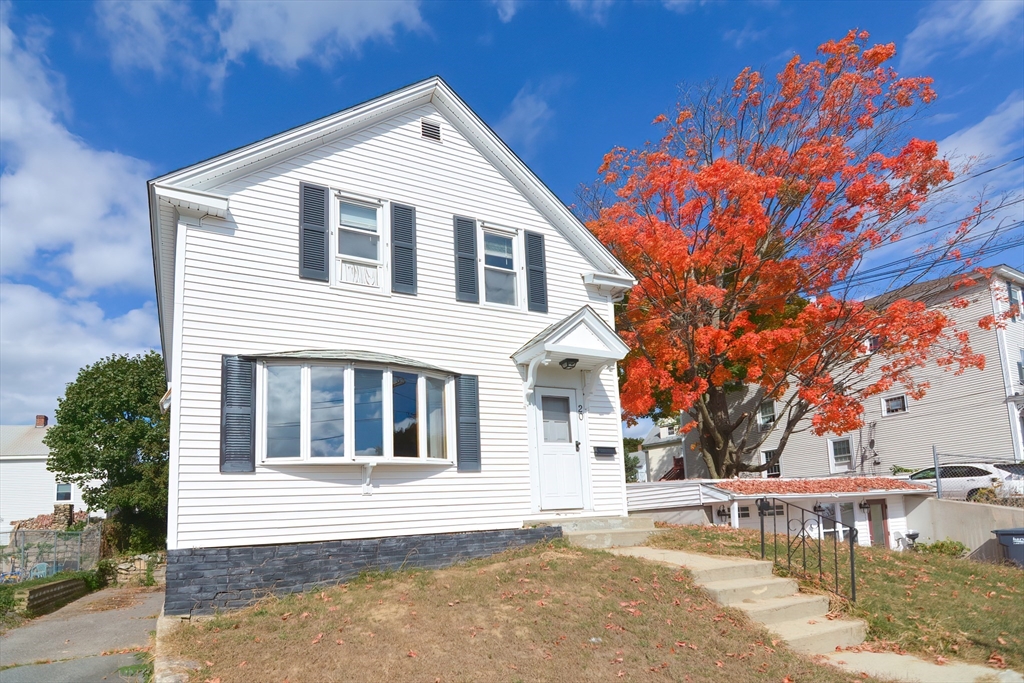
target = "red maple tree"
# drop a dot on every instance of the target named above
(746, 226)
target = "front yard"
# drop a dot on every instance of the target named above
(546, 613)
(931, 605)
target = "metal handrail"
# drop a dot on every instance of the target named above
(806, 533)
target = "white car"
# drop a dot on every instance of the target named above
(966, 480)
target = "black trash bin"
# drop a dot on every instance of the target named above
(1012, 541)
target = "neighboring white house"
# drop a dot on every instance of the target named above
(876, 507)
(973, 416)
(27, 488)
(380, 330)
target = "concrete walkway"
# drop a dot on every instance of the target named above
(750, 585)
(68, 646)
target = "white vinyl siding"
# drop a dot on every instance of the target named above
(241, 294)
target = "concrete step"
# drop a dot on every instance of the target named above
(608, 538)
(704, 568)
(788, 608)
(735, 591)
(572, 524)
(822, 636)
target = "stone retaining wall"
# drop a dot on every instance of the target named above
(44, 598)
(202, 580)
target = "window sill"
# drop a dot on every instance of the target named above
(407, 462)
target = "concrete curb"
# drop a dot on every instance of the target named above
(167, 669)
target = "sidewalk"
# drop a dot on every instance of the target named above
(68, 645)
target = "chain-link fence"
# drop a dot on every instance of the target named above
(975, 479)
(37, 553)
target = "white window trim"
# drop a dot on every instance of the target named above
(764, 461)
(763, 426)
(885, 410)
(518, 265)
(384, 243)
(833, 468)
(387, 417)
(56, 492)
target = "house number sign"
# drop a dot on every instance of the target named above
(579, 411)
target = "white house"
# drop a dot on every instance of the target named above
(978, 415)
(27, 488)
(387, 343)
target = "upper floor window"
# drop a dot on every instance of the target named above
(63, 492)
(1014, 293)
(499, 268)
(359, 244)
(874, 343)
(893, 405)
(318, 410)
(766, 416)
(840, 452)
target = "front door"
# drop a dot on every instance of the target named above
(561, 451)
(878, 523)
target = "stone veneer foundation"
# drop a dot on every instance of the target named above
(203, 580)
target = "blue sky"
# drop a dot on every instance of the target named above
(96, 98)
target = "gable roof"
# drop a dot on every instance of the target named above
(23, 441)
(937, 290)
(583, 333)
(188, 189)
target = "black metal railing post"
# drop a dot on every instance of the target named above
(853, 568)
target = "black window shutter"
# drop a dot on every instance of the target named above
(314, 210)
(536, 273)
(403, 249)
(466, 288)
(467, 420)
(237, 415)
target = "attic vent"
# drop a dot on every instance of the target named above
(431, 130)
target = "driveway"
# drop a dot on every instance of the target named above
(69, 645)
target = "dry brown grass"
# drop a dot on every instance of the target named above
(547, 613)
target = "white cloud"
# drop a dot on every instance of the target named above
(72, 216)
(525, 120)
(506, 9)
(740, 37)
(640, 430)
(44, 340)
(83, 209)
(596, 10)
(680, 6)
(962, 26)
(996, 138)
(167, 34)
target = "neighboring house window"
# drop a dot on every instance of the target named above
(874, 343)
(775, 471)
(744, 512)
(766, 416)
(893, 405)
(319, 410)
(359, 244)
(1014, 293)
(499, 268)
(63, 492)
(1020, 367)
(778, 511)
(840, 452)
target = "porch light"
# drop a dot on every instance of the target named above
(568, 363)
(864, 505)
(818, 508)
(722, 512)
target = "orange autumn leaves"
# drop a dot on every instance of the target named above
(745, 224)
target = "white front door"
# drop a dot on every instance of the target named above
(561, 450)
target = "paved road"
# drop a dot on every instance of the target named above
(69, 643)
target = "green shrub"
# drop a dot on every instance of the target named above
(947, 547)
(149, 579)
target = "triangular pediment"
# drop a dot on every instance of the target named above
(584, 334)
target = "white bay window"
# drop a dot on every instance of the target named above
(337, 412)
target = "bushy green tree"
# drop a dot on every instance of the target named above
(112, 441)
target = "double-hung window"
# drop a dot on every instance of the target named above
(766, 416)
(840, 452)
(63, 493)
(500, 268)
(775, 471)
(359, 251)
(319, 412)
